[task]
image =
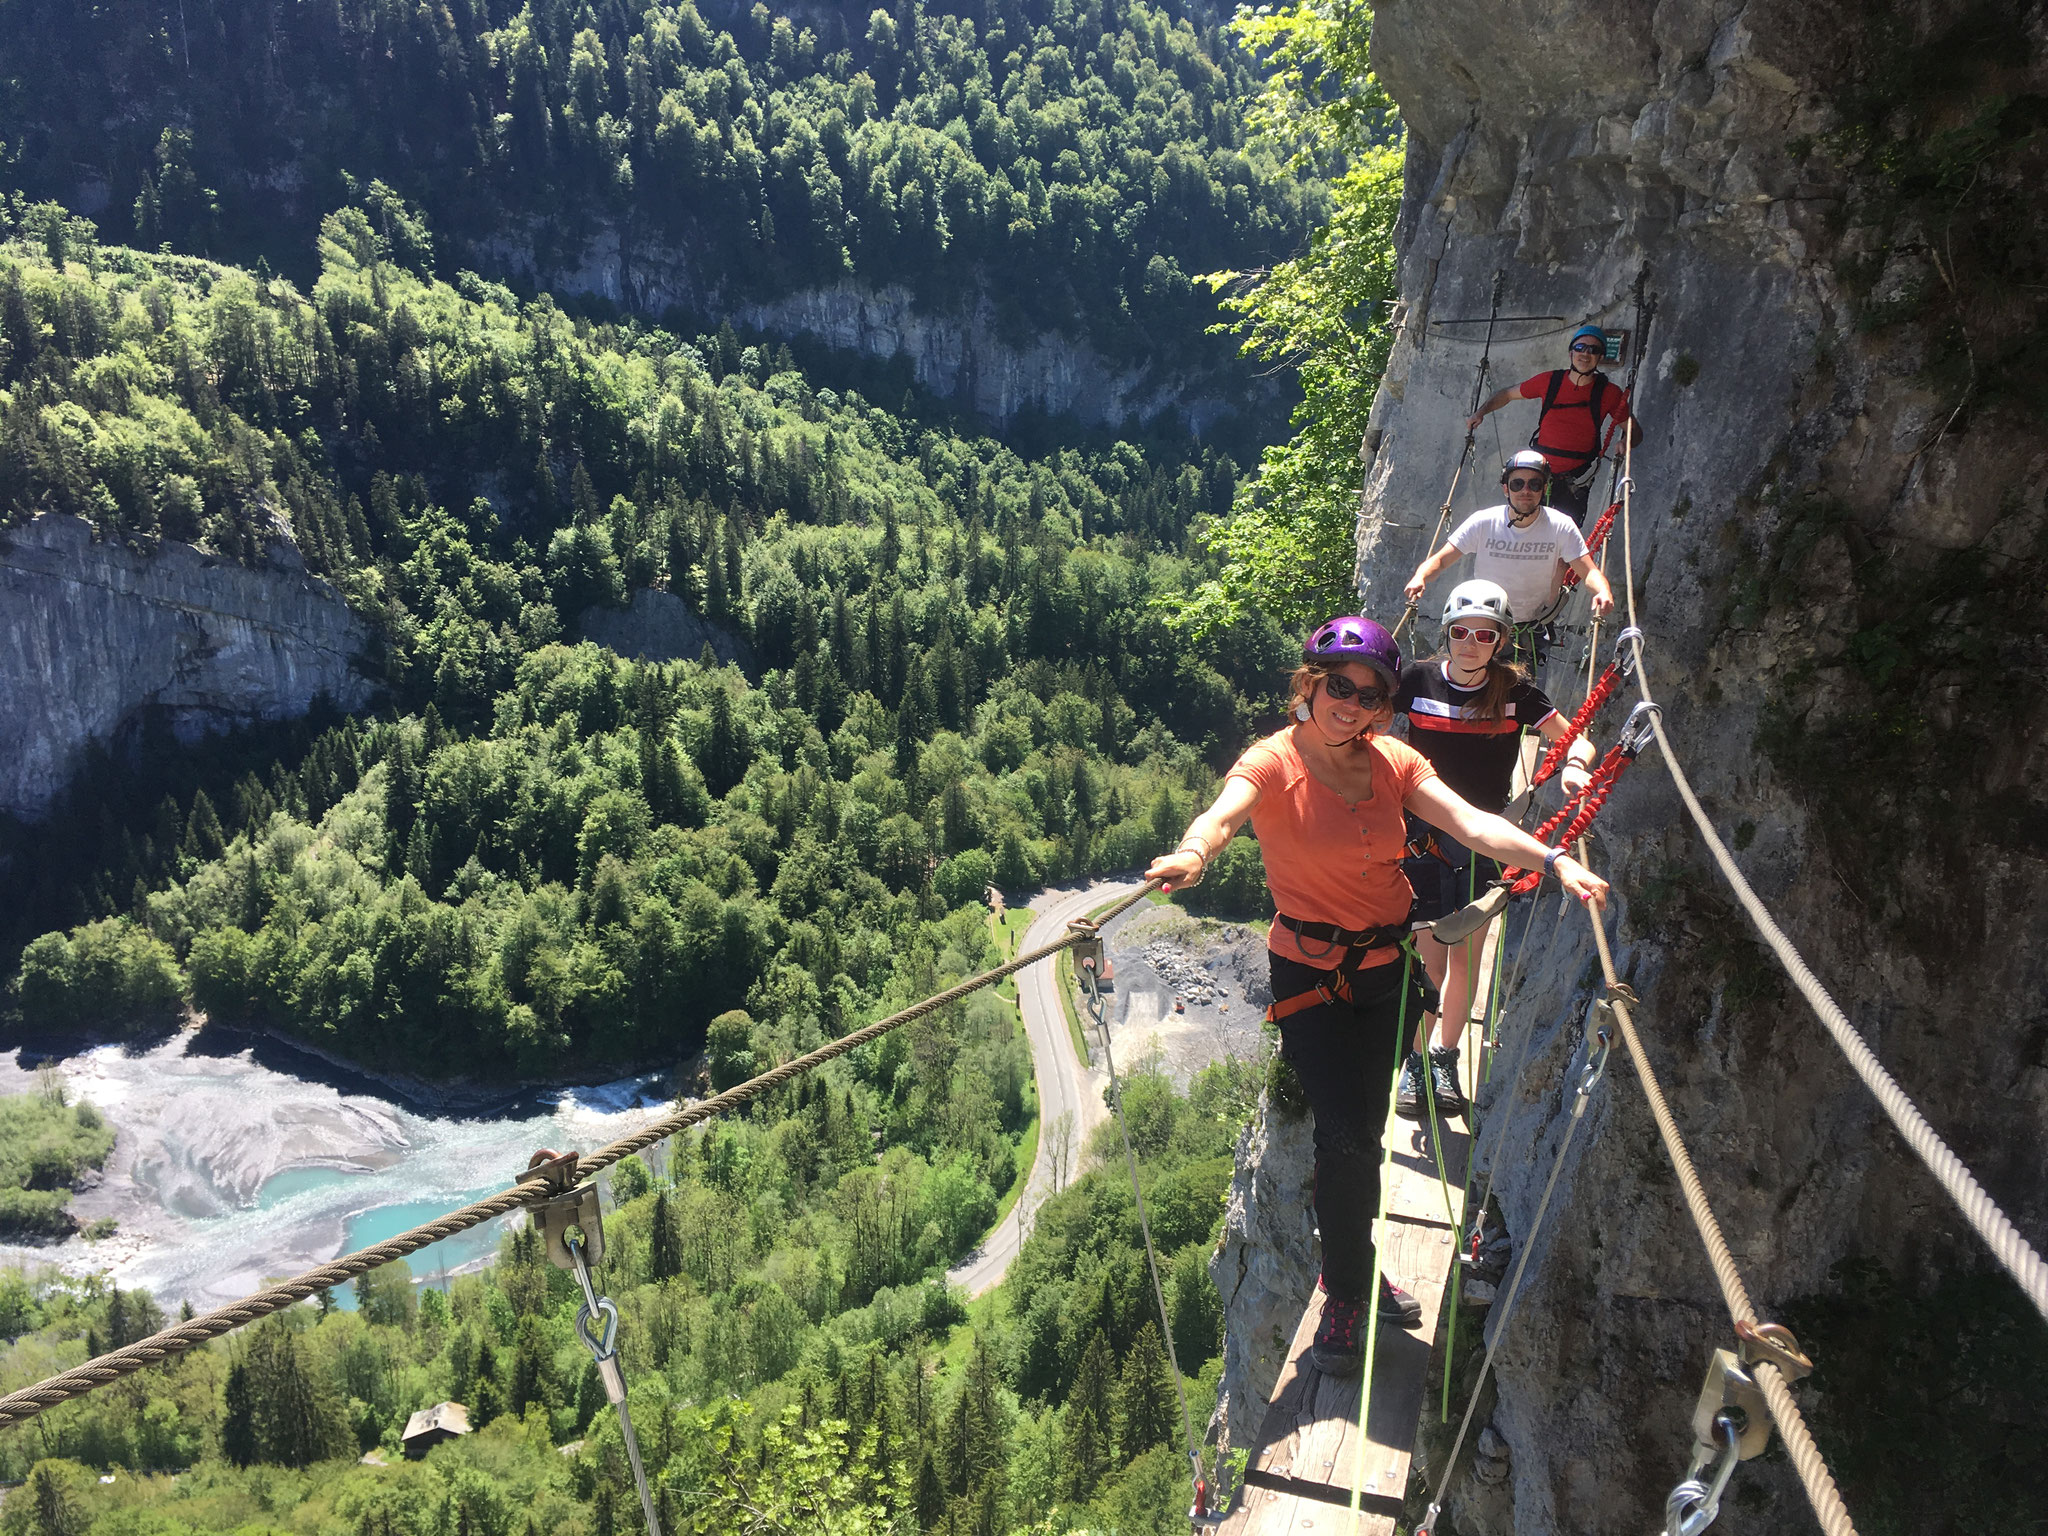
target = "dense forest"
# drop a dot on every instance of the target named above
(791, 1366)
(965, 668)
(1075, 165)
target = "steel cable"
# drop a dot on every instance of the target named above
(1806, 1458)
(20, 1406)
(2007, 1245)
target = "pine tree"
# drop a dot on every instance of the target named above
(1089, 1419)
(203, 836)
(665, 1240)
(725, 753)
(1147, 1407)
(238, 1417)
(54, 1507)
(931, 1493)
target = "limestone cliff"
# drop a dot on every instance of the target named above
(94, 637)
(959, 353)
(1838, 550)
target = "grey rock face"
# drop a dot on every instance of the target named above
(1266, 1266)
(659, 626)
(93, 636)
(1570, 146)
(958, 354)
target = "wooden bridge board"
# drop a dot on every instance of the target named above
(1307, 1461)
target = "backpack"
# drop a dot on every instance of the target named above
(1592, 403)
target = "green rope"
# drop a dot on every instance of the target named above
(1372, 1302)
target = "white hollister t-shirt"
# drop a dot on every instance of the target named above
(1522, 561)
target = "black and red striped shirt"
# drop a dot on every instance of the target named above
(1472, 756)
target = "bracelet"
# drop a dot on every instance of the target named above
(1195, 837)
(1550, 861)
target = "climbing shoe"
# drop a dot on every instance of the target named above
(1408, 1094)
(1397, 1306)
(1339, 1343)
(1443, 1080)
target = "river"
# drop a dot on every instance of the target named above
(240, 1160)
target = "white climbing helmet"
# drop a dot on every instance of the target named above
(1478, 600)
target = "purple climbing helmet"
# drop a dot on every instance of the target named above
(1356, 638)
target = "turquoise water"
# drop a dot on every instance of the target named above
(480, 1242)
(280, 1187)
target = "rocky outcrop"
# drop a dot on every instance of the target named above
(958, 353)
(94, 638)
(659, 626)
(1266, 1266)
(1838, 515)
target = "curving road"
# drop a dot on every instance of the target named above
(1066, 1083)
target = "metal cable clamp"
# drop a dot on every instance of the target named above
(572, 1224)
(1773, 1342)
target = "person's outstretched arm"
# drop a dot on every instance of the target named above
(1206, 836)
(1493, 403)
(1596, 584)
(1428, 571)
(1499, 838)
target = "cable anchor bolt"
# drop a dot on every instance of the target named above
(1773, 1342)
(1598, 1045)
(1732, 1392)
(1694, 1503)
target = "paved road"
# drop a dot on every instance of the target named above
(1066, 1083)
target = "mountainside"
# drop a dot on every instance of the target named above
(1014, 179)
(104, 643)
(1839, 545)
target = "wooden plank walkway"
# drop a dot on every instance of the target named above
(1307, 1459)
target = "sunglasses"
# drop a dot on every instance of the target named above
(1587, 346)
(1467, 632)
(1370, 695)
(1523, 483)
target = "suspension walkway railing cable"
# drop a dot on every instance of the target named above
(536, 1186)
(2007, 1245)
(1443, 515)
(1806, 1458)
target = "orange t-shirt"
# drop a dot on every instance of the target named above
(1328, 862)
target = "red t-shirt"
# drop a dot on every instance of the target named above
(1328, 862)
(1567, 435)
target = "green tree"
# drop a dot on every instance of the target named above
(729, 1049)
(1287, 547)
(51, 1503)
(1090, 1424)
(1147, 1411)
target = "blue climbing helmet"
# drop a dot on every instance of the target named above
(1354, 637)
(1589, 329)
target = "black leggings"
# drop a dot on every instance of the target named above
(1343, 1054)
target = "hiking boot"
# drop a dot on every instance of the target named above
(1339, 1343)
(1397, 1306)
(1443, 1080)
(1408, 1095)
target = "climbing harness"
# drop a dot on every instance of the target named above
(1088, 960)
(1599, 1043)
(572, 1226)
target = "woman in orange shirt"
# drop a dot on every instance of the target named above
(1327, 797)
